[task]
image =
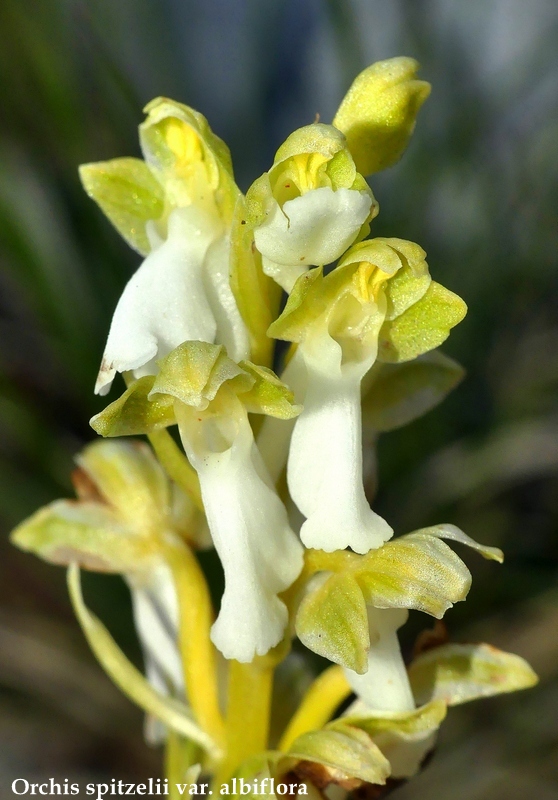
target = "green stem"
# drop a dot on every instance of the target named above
(176, 465)
(248, 711)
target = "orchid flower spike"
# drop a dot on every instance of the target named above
(105, 531)
(175, 208)
(310, 206)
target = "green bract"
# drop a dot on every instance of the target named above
(458, 673)
(395, 394)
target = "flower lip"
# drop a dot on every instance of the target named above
(314, 228)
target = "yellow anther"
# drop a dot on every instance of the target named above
(307, 166)
(183, 141)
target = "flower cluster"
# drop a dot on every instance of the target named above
(270, 471)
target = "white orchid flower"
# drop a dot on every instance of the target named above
(104, 531)
(378, 303)
(184, 194)
(209, 395)
(310, 206)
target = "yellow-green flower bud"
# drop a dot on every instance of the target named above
(378, 113)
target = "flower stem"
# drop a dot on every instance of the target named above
(248, 711)
(318, 704)
(198, 653)
(176, 465)
(180, 754)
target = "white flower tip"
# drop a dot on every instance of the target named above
(326, 531)
(110, 365)
(244, 633)
(105, 378)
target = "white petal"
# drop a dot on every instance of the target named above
(385, 687)
(313, 229)
(284, 274)
(231, 330)
(155, 607)
(164, 303)
(324, 471)
(260, 554)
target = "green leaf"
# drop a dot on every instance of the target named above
(422, 327)
(332, 622)
(378, 113)
(128, 679)
(458, 673)
(135, 412)
(128, 193)
(347, 753)
(395, 394)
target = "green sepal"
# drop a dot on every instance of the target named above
(345, 754)
(454, 534)
(119, 470)
(458, 673)
(85, 533)
(378, 113)
(135, 412)
(128, 193)
(268, 395)
(416, 572)
(425, 718)
(422, 327)
(392, 266)
(315, 138)
(194, 372)
(332, 622)
(395, 394)
(130, 681)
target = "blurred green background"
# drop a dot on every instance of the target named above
(478, 189)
